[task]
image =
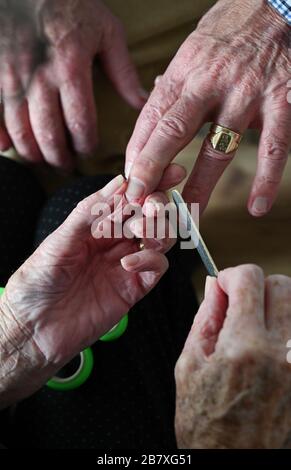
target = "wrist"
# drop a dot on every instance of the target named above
(23, 367)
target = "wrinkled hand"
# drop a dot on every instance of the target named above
(76, 287)
(233, 379)
(233, 70)
(59, 113)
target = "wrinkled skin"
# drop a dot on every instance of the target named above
(58, 117)
(73, 289)
(233, 379)
(233, 70)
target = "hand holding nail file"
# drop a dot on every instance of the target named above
(194, 233)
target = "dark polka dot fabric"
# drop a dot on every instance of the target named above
(21, 199)
(129, 400)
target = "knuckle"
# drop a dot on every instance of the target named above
(21, 135)
(275, 148)
(84, 206)
(173, 126)
(248, 85)
(152, 112)
(250, 354)
(149, 166)
(269, 180)
(218, 68)
(51, 141)
(79, 127)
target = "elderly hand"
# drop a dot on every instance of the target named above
(73, 289)
(233, 70)
(59, 114)
(233, 379)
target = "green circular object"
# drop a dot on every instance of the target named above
(78, 378)
(116, 331)
(1, 291)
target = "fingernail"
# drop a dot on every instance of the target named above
(112, 186)
(158, 79)
(135, 189)
(130, 261)
(128, 167)
(137, 228)
(209, 284)
(152, 208)
(260, 205)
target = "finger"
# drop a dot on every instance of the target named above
(211, 163)
(207, 325)
(77, 99)
(154, 204)
(164, 95)
(174, 174)
(120, 68)
(154, 232)
(168, 90)
(18, 125)
(47, 123)
(10, 81)
(245, 288)
(150, 266)
(278, 307)
(273, 151)
(172, 133)
(16, 117)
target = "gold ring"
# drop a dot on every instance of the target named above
(223, 139)
(141, 246)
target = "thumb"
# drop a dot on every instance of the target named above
(150, 266)
(77, 227)
(207, 324)
(120, 69)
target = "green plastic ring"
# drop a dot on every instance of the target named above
(77, 379)
(1, 291)
(116, 331)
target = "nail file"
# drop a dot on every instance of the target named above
(194, 233)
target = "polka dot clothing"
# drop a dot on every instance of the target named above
(129, 400)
